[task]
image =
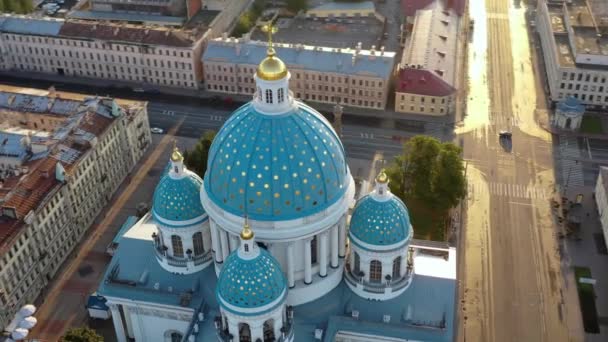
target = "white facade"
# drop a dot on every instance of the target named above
(79, 49)
(231, 72)
(601, 200)
(574, 65)
(67, 209)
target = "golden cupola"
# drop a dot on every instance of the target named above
(272, 67)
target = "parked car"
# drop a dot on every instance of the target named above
(157, 130)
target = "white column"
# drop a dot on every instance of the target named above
(307, 262)
(206, 240)
(352, 260)
(334, 247)
(234, 330)
(278, 323)
(387, 269)
(128, 322)
(257, 332)
(290, 265)
(215, 242)
(223, 244)
(323, 264)
(234, 242)
(342, 235)
(117, 320)
(139, 336)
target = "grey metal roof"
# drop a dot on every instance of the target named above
(34, 26)
(303, 57)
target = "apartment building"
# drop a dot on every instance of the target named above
(426, 75)
(574, 40)
(352, 77)
(151, 56)
(61, 175)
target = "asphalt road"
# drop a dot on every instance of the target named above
(511, 278)
(363, 138)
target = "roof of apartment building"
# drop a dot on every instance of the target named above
(587, 26)
(297, 56)
(410, 7)
(428, 63)
(136, 34)
(26, 187)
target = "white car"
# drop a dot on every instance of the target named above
(156, 130)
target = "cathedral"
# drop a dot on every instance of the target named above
(272, 246)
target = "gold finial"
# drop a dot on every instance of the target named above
(246, 233)
(176, 156)
(382, 177)
(270, 30)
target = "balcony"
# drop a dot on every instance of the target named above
(181, 262)
(386, 286)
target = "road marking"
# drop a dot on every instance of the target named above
(509, 190)
(519, 203)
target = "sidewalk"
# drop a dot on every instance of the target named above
(584, 249)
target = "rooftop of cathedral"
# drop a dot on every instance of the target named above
(425, 312)
(31, 172)
(349, 61)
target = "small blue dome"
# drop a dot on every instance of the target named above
(380, 223)
(276, 167)
(178, 199)
(251, 283)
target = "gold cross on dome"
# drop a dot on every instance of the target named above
(270, 30)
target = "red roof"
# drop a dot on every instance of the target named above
(422, 82)
(411, 6)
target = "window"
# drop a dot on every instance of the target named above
(313, 250)
(396, 267)
(269, 330)
(178, 248)
(244, 332)
(281, 96)
(375, 271)
(268, 96)
(357, 266)
(175, 336)
(197, 242)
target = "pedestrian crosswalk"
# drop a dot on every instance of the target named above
(505, 122)
(508, 190)
(572, 170)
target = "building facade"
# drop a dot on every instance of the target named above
(51, 196)
(601, 200)
(574, 41)
(277, 194)
(352, 77)
(150, 56)
(426, 74)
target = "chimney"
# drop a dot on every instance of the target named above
(116, 30)
(358, 49)
(354, 59)
(225, 36)
(338, 118)
(382, 51)
(11, 100)
(52, 92)
(237, 48)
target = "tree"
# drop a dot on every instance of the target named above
(2, 8)
(9, 6)
(297, 5)
(196, 160)
(26, 6)
(430, 171)
(82, 334)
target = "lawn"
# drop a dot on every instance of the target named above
(586, 296)
(592, 124)
(428, 223)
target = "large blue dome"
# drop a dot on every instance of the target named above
(251, 283)
(178, 199)
(380, 223)
(276, 167)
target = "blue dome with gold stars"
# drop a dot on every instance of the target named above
(178, 198)
(251, 283)
(276, 167)
(380, 222)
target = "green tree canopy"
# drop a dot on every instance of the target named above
(430, 171)
(297, 5)
(196, 160)
(82, 334)
(26, 6)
